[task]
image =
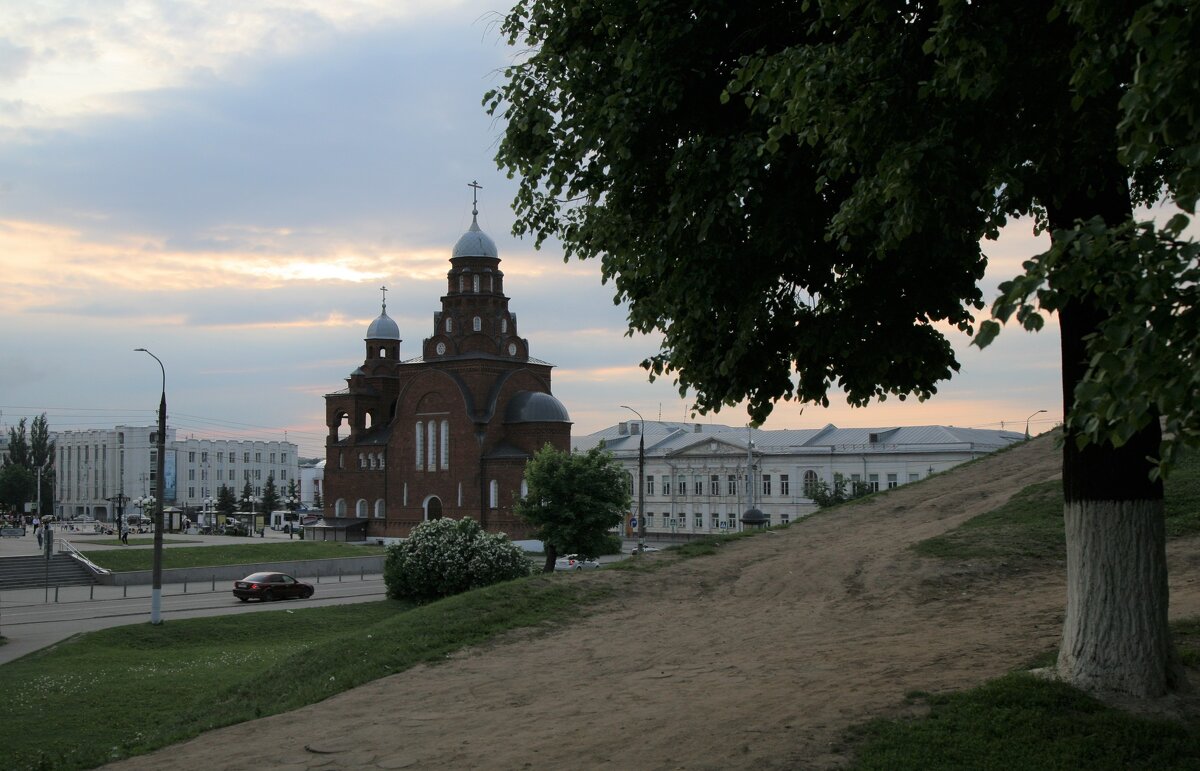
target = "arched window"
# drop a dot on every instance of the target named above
(489, 282)
(477, 324)
(420, 445)
(431, 453)
(383, 460)
(379, 510)
(360, 508)
(449, 325)
(362, 460)
(461, 284)
(494, 494)
(524, 488)
(475, 284)
(339, 508)
(383, 353)
(503, 325)
(810, 483)
(341, 462)
(445, 445)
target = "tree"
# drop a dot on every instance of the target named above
(317, 501)
(825, 496)
(15, 486)
(573, 500)
(246, 500)
(794, 196)
(293, 499)
(18, 446)
(33, 451)
(270, 498)
(226, 501)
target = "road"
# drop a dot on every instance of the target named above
(31, 619)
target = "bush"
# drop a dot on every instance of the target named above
(446, 556)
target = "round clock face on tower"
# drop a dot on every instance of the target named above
(441, 349)
(512, 349)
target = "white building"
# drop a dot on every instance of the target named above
(696, 474)
(95, 468)
(312, 481)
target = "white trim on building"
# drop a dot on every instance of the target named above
(696, 473)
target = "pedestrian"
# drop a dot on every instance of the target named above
(124, 533)
(37, 522)
(38, 533)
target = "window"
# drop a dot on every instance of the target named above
(379, 509)
(461, 287)
(766, 484)
(191, 492)
(716, 521)
(283, 473)
(650, 519)
(245, 457)
(203, 475)
(232, 474)
(272, 457)
(810, 483)
(666, 484)
(629, 479)
(339, 508)
(191, 475)
(283, 457)
(360, 508)
(362, 460)
(191, 457)
(220, 457)
(698, 521)
(204, 456)
(892, 481)
(783, 519)
(246, 475)
(731, 484)
(494, 494)
(697, 484)
(714, 485)
(914, 477)
(258, 457)
(476, 324)
(475, 284)
(450, 324)
(649, 484)
(420, 445)
(431, 450)
(503, 326)
(524, 491)
(258, 473)
(873, 482)
(445, 447)
(785, 487)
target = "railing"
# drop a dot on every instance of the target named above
(67, 546)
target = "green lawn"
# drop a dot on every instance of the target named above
(131, 689)
(236, 553)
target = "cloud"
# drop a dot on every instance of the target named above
(15, 60)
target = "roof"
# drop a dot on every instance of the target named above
(535, 407)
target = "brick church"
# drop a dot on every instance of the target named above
(445, 434)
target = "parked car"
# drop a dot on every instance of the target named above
(271, 586)
(575, 562)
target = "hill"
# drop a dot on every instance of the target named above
(759, 656)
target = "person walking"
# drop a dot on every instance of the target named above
(38, 533)
(124, 533)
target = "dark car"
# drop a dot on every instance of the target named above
(271, 586)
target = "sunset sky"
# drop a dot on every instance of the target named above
(228, 184)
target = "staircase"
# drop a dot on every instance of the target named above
(30, 572)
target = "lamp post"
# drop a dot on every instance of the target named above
(254, 501)
(1027, 422)
(291, 502)
(641, 479)
(208, 516)
(159, 493)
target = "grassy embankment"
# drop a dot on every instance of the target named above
(1019, 721)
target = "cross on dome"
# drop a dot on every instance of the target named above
(475, 188)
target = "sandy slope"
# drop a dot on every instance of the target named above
(758, 657)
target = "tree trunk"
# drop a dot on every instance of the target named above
(551, 558)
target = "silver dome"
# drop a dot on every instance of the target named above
(475, 243)
(535, 407)
(383, 328)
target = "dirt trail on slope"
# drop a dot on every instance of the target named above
(760, 656)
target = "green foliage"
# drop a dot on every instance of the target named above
(783, 190)
(573, 500)
(16, 484)
(1019, 723)
(30, 451)
(442, 557)
(226, 501)
(825, 496)
(270, 497)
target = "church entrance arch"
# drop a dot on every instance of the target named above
(433, 508)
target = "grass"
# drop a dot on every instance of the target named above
(1020, 722)
(1030, 525)
(124, 560)
(132, 689)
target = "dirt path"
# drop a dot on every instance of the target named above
(758, 657)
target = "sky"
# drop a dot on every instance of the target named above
(228, 185)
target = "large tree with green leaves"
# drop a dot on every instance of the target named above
(34, 450)
(794, 196)
(227, 502)
(573, 500)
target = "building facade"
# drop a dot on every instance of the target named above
(446, 433)
(700, 478)
(100, 470)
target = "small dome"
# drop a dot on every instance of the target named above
(754, 517)
(475, 243)
(383, 328)
(535, 407)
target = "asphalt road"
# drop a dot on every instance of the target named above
(32, 619)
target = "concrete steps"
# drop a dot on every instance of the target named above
(32, 572)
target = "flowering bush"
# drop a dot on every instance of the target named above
(446, 556)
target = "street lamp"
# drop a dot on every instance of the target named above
(254, 501)
(1027, 422)
(159, 493)
(641, 479)
(208, 516)
(292, 501)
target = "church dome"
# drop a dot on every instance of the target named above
(475, 243)
(383, 328)
(535, 407)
